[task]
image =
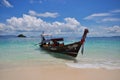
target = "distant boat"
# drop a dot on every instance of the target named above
(57, 45)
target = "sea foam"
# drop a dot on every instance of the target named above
(92, 66)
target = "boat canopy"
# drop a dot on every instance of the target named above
(54, 39)
(57, 39)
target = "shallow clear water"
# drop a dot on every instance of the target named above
(100, 52)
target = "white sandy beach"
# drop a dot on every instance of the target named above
(57, 72)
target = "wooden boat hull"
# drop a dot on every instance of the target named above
(70, 49)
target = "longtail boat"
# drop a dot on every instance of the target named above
(57, 45)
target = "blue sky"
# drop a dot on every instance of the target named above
(101, 17)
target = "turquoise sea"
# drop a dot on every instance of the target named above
(99, 52)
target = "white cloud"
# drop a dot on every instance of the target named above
(28, 23)
(7, 4)
(25, 23)
(92, 16)
(46, 14)
(5, 28)
(114, 29)
(105, 17)
(34, 26)
(116, 11)
(104, 31)
(36, 1)
(2, 27)
(110, 19)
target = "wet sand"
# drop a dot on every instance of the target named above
(57, 72)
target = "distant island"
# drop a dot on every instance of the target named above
(21, 35)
